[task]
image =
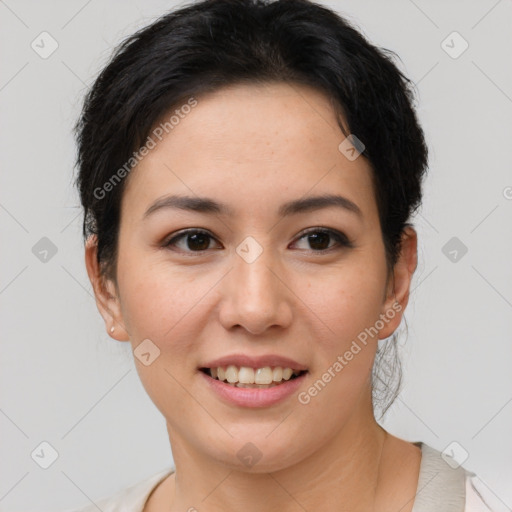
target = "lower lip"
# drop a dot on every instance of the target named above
(254, 397)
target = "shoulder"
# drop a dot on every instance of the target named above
(444, 483)
(132, 498)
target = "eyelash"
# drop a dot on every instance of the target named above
(340, 238)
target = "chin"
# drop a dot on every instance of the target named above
(258, 454)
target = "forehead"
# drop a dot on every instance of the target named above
(258, 119)
(250, 144)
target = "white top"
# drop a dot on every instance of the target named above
(440, 488)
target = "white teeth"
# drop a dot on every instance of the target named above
(246, 377)
(263, 375)
(278, 374)
(232, 374)
(287, 373)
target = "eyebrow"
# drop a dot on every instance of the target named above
(210, 206)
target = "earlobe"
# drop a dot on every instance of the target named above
(105, 294)
(400, 282)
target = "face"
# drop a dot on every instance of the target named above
(258, 276)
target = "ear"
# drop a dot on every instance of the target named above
(399, 283)
(105, 293)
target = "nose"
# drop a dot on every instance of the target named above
(255, 296)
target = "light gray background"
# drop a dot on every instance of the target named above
(64, 381)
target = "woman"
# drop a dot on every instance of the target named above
(247, 171)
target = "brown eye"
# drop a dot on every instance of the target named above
(194, 241)
(319, 239)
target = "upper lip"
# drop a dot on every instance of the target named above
(272, 360)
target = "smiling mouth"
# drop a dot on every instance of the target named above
(257, 378)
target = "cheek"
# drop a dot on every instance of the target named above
(158, 302)
(347, 306)
(165, 308)
(347, 301)
(164, 304)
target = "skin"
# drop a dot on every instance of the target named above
(255, 147)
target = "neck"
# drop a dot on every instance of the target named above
(343, 475)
